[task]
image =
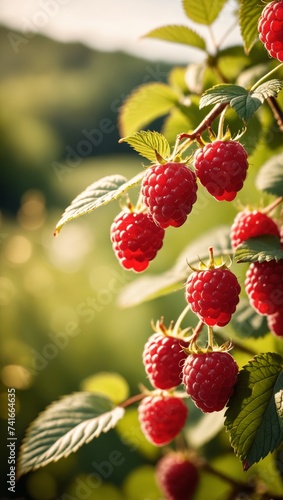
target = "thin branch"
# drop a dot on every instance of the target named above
(277, 111)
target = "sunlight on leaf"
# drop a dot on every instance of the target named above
(250, 11)
(270, 176)
(64, 426)
(151, 145)
(251, 418)
(177, 34)
(203, 11)
(96, 195)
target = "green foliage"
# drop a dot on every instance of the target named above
(252, 419)
(250, 11)
(204, 11)
(239, 88)
(64, 427)
(178, 34)
(96, 195)
(152, 145)
(270, 176)
(245, 103)
(154, 99)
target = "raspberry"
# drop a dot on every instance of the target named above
(209, 379)
(213, 295)
(250, 224)
(162, 418)
(264, 286)
(177, 476)
(275, 323)
(136, 240)
(169, 191)
(221, 167)
(270, 28)
(163, 358)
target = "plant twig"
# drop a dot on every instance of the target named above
(277, 111)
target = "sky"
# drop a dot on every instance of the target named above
(111, 24)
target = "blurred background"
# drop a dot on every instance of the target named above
(66, 67)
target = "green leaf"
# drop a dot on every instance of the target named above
(203, 11)
(111, 385)
(244, 103)
(252, 419)
(145, 104)
(151, 145)
(152, 286)
(259, 249)
(250, 11)
(247, 323)
(270, 176)
(178, 34)
(65, 426)
(224, 92)
(96, 195)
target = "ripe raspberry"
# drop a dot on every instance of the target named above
(177, 476)
(209, 379)
(250, 224)
(213, 295)
(264, 286)
(162, 418)
(136, 240)
(270, 28)
(169, 191)
(221, 167)
(163, 358)
(275, 323)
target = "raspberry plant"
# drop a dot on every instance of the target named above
(212, 374)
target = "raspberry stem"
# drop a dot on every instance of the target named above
(261, 80)
(210, 337)
(272, 205)
(177, 325)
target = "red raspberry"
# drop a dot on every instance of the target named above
(177, 476)
(275, 323)
(213, 295)
(209, 379)
(162, 418)
(270, 28)
(250, 224)
(221, 167)
(136, 240)
(169, 191)
(163, 358)
(264, 286)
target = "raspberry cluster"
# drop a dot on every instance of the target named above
(270, 28)
(264, 280)
(168, 193)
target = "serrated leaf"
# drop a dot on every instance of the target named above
(145, 104)
(247, 323)
(259, 249)
(244, 103)
(178, 34)
(251, 418)
(250, 11)
(224, 92)
(64, 427)
(96, 195)
(152, 286)
(149, 144)
(203, 11)
(270, 176)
